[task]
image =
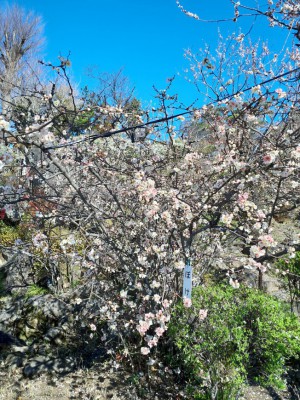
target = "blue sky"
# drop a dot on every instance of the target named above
(146, 38)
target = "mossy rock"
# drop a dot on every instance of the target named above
(39, 314)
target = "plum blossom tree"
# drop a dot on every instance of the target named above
(123, 217)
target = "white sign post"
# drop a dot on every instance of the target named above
(187, 281)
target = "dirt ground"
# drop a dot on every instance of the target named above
(97, 385)
(82, 384)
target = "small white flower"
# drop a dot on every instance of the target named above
(234, 283)
(240, 38)
(281, 94)
(4, 124)
(155, 284)
(256, 89)
(145, 350)
(156, 298)
(180, 265)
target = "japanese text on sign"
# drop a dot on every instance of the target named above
(187, 281)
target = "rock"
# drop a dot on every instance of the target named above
(16, 273)
(64, 366)
(4, 316)
(11, 311)
(8, 340)
(42, 364)
(14, 361)
(53, 333)
(35, 366)
(50, 306)
(31, 317)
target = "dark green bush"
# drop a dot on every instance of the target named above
(290, 269)
(246, 334)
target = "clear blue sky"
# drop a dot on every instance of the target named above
(146, 38)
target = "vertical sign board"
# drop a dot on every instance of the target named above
(187, 281)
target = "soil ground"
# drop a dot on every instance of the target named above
(100, 383)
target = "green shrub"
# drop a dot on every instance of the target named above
(8, 234)
(34, 290)
(246, 334)
(290, 268)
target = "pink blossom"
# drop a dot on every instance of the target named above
(187, 302)
(242, 198)
(37, 238)
(270, 157)
(190, 158)
(149, 193)
(166, 216)
(266, 241)
(267, 159)
(40, 242)
(221, 129)
(203, 314)
(159, 331)
(260, 215)
(256, 252)
(166, 303)
(153, 210)
(143, 327)
(160, 316)
(147, 189)
(152, 341)
(149, 317)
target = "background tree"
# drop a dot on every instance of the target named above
(20, 40)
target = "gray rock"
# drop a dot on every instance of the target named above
(42, 364)
(53, 333)
(16, 272)
(8, 340)
(64, 366)
(49, 305)
(11, 311)
(35, 366)
(4, 316)
(14, 361)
